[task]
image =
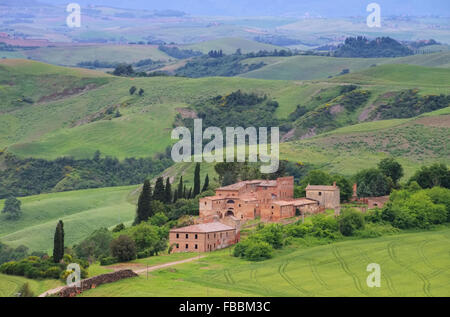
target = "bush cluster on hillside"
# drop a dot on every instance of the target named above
(238, 109)
(408, 209)
(175, 52)
(35, 267)
(31, 176)
(379, 47)
(408, 104)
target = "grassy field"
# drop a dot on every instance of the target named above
(10, 285)
(72, 55)
(412, 264)
(82, 212)
(321, 67)
(61, 125)
(230, 45)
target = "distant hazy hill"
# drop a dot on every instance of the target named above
(333, 8)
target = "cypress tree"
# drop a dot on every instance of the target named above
(175, 196)
(206, 184)
(196, 181)
(180, 188)
(184, 192)
(159, 193)
(189, 195)
(58, 243)
(144, 211)
(168, 192)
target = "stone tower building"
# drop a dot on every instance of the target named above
(327, 196)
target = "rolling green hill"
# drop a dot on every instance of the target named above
(66, 126)
(412, 264)
(321, 67)
(82, 211)
(11, 285)
(71, 55)
(230, 45)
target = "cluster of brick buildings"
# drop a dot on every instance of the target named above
(270, 200)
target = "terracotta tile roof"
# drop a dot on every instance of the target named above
(236, 186)
(304, 201)
(204, 227)
(295, 202)
(268, 183)
(321, 187)
(283, 203)
(239, 185)
(215, 197)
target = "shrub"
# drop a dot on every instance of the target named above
(95, 246)
(159, 219)
(441, 196)
(299, 230)
(119, 228)
(108, 260)
(253, 249)
(350, 221)
(123, 248)
(272, 234)
(325, 227)
(374, 230)
(374, 215)
(413, 210)
(258, 251)
(53, 272)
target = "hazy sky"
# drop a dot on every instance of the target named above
(279, 7)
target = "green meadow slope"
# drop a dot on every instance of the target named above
(321, 67)
(82, 211)
(412, 264)
(71, 55)
(66, 124)
(11, 285)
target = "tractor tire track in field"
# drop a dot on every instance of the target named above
(316, 275)
(255, 280)
(228, 277)
(426, 283)
(344, 266)
(386, 276)
(436, 271)
(282, 272)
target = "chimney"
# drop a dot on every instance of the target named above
(334, 184)
(355, 189)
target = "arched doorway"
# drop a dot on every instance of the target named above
(229, 213)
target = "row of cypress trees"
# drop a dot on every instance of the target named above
(163, 193)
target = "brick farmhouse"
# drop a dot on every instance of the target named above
(203, 237)
(271, 200)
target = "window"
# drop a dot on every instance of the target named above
(178, 246)
(196, 236)
(320, 193)
(178, 235)
(196, 246)
(187, 246)
(187, 236)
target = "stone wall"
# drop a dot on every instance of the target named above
(93, 282)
